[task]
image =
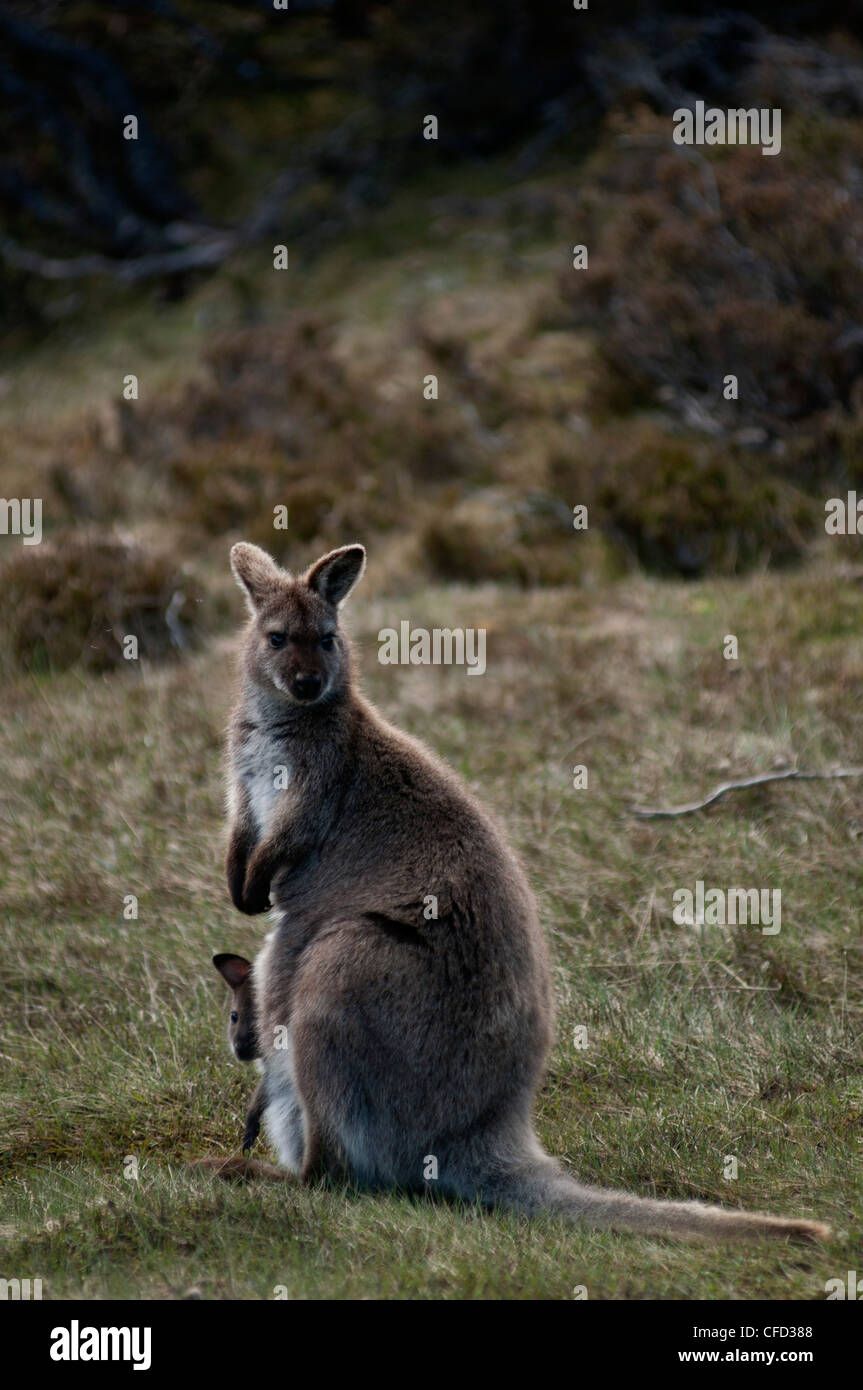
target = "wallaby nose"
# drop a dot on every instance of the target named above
(307, 687)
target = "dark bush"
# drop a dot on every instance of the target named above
(727, 263)
(74, 598)
(680, 504)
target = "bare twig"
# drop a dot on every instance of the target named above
(790, 775)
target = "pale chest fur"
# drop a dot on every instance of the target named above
(262, 770)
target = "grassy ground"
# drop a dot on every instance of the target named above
(730, 1043)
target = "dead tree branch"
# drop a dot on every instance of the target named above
(790, 775)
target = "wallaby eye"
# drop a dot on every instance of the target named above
(328, 642)
(277, 639)
(234, 1015)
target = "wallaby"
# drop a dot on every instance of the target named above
(404, 999)
(242, 1035)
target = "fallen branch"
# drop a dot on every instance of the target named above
(205, 253)
(200, 247)
(791, 775)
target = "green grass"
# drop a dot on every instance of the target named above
(730, 1043)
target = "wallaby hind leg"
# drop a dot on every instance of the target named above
(314, 1165)
(283, 1119)
(289, 1122)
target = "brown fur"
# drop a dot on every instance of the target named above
(395, 1045)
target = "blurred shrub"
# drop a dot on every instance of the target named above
(680, 504)
(74, 598)
(512, 536)
(281, 417)
(717, 262)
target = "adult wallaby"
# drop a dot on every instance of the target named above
(404, 996)
(242, 1031)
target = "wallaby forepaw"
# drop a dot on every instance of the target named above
(236, 892)
(255, 897)
(254, 904)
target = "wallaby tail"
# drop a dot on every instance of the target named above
(544, 1186)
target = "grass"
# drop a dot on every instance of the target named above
(730, 1043)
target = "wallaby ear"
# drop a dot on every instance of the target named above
(256, 572)
(234, 969)
(335, 574)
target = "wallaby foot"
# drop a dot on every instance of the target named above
(242, 1169)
